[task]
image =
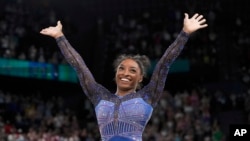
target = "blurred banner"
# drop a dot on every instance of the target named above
(28, 69)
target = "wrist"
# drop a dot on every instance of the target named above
(186, 31)
(58, 35)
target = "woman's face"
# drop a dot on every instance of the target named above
(128, 75)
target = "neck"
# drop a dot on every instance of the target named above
(123, 93)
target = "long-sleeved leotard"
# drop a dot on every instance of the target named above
(123, 118)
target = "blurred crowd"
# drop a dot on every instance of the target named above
(187, 115)
(145, 33)
(191, 114)
(19, 33)
(35, 117)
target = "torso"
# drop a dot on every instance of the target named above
(120, 117)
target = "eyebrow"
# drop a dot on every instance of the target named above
(130, 66)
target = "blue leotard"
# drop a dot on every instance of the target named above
(123, 118)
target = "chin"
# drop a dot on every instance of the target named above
(124, 88)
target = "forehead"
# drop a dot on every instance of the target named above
(130, 63)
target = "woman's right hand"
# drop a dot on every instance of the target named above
(53, 31)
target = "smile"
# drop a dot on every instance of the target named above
(125, 79)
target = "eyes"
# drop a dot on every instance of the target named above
(131, 70)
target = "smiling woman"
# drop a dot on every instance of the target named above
(130, 70)
(124, 115)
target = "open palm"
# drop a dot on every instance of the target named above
(194, 23)
(53, 31)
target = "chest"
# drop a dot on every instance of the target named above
(133, 110)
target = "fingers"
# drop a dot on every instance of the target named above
(43, 31)
(202, 21)
(186, 15)
(199, 17)
(59, 23)
(53, 31)
(47, 30)
(195, 16)
(203, 25)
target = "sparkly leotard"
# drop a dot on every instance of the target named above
(123, 118)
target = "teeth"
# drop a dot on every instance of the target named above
(124, 79)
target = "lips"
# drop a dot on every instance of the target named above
(125, 79)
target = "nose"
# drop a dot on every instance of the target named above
(126, 72)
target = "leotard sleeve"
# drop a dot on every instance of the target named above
(153, 90)
(91, 88)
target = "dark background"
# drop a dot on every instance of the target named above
(80, 20)
(80, 25)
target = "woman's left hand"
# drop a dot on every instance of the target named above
(194, 23)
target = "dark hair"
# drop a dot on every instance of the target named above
(142, 60)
